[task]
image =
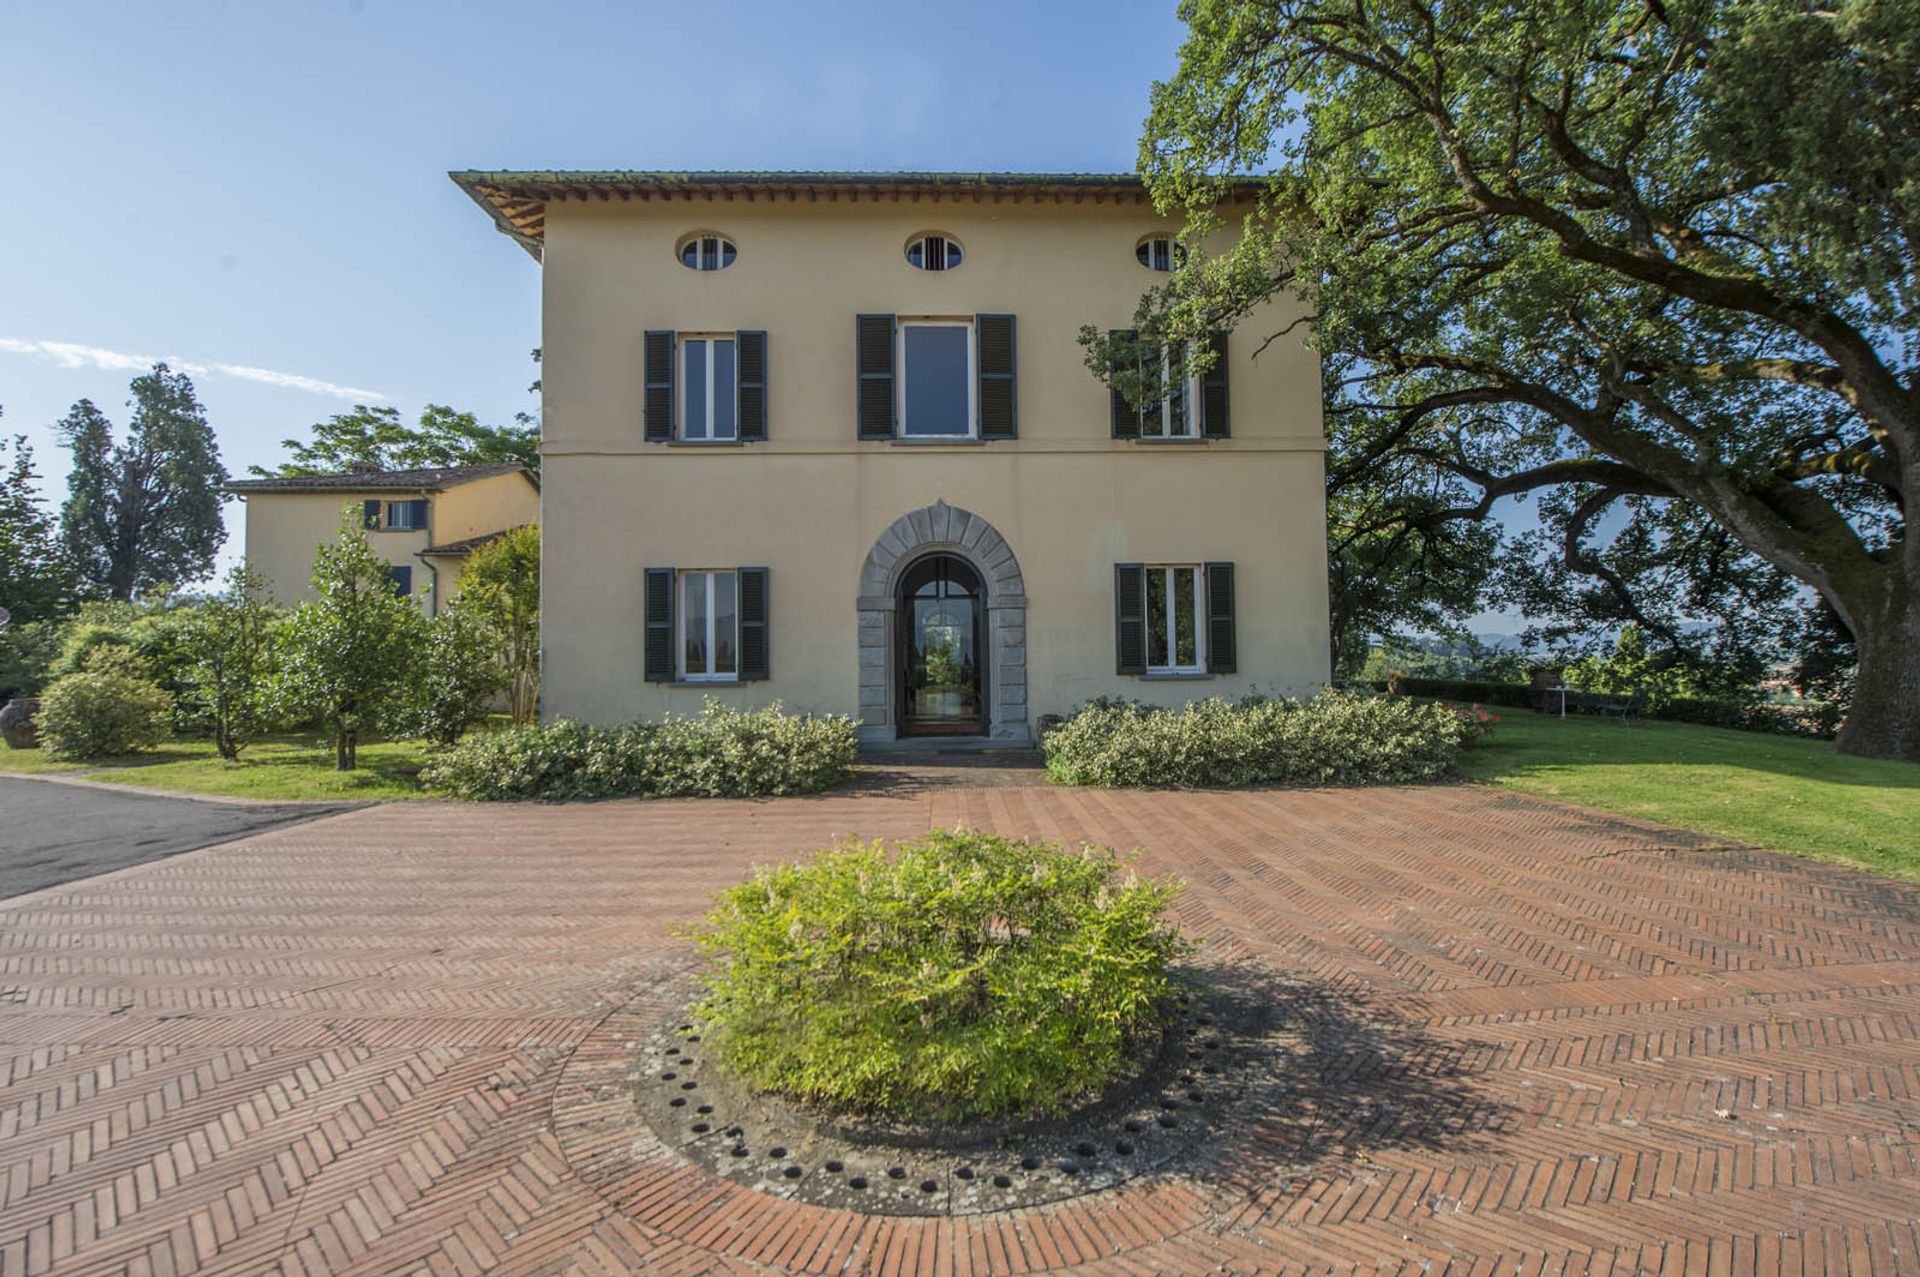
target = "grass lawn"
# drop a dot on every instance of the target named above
(284, 767)
(1780, 792)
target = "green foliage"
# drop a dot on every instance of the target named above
(962, 976)
(349, 659)
(1466, 658)
(230, 645)
(502, 577)
(144, 639)
(1604, 249)
(27, 654)
(102, 712)
(460, 673)
(146, 512)
(36, 581)
(1335, 738)
(1634, 670)
(378, 436)
(721, 753)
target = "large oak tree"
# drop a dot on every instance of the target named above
(1619, 249)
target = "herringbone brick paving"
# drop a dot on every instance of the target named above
(1543, 1041)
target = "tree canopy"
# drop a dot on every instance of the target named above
(36, 581)
(144, 512)
(380, 436)
(1605, 249)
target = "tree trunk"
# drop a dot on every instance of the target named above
(1884, 721)
(342, 749)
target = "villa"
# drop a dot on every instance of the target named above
(831, 439)
(425, 523)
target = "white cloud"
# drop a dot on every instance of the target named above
(72, 355)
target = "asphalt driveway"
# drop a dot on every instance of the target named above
(53, 833)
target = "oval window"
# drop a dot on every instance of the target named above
(933, 251)
(706, 252)
(1161, 252)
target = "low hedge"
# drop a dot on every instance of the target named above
(720, 753)
(1334, 738)
(1473, 691)
(962, 976)
(1817, 719)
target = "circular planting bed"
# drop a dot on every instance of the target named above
(1179, 1106)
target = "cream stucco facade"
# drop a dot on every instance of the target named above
(1044, 517)
(286, 524)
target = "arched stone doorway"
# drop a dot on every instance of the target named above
(942, 530)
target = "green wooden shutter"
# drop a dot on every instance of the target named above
(1222, 653)
(659, 625)
(658, 371)
(370, 514)
(756, 656)
(873, 364)
(1126, 417)
(419, 513)
(999, 418)
(750, 349)
(1213, 394)
(1130, 618)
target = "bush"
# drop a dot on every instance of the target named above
(102, 712)
(460, 674)
(721, 753)
(965, 976)
(1335, 738)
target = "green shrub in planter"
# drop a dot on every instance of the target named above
(1335, 738)
(720, 753)
(963, 976)
(101, 712)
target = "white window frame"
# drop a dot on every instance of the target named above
(684, 340)
(947, 246)
(699, 245)
(1190, 429)
(680, 626)
(1167, 570)
(1176, 253)
(973, 375)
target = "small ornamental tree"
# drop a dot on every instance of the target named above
(229, 643)
(349, 658)
(503, 579)
(460, 673)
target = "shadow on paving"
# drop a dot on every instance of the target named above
(1328, 1080)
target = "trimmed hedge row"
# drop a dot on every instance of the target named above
(721, 753)
(1334, 738)
(1819, 720)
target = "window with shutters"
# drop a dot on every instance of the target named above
(933, 251)
(1176, 641)
(709, 626)
(406, 516)
(709, 408)
(1161, 253)
(400, 577)
(937, 378)
(706, 252)
(1170, 414)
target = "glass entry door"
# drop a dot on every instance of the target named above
(941, 616)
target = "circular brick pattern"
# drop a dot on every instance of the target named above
(614, 1119)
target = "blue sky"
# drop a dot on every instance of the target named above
(258, 188)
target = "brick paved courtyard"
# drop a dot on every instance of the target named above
(1542, 1041)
